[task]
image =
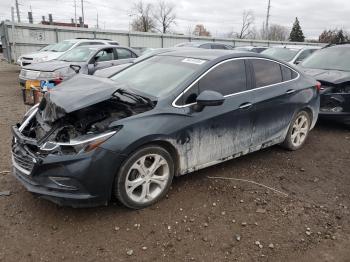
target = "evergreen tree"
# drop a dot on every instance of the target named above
(296, 35)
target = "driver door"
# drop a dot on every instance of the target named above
(219, 132)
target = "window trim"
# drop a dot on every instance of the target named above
(131, 52)
(233, 94)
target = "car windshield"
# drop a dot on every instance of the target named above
(188, 44)
(158, 75)
(47, 48)
(78, 54)
(62, 46)
(284, 54)
(329, 58)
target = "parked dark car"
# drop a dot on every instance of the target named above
(331, 67)
(166, 116)
(255, 49)
(82, 59)
(205, 45)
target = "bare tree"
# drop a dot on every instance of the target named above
(278, 33)
(246, 30)
(164, 15)
(144, 22)
(200, 30)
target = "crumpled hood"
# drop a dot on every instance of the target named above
(76, 93)
(330, 76)
(49, 66)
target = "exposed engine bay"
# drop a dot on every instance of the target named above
(86, 122)
(335, 98)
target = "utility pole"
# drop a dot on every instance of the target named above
(97, 20)
(13, 51)
(82, 11)
(75, 13)
(17, 11)
(267, 20)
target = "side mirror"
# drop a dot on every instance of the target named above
(91, 69)
(297, 62)
(209, 98)
(76, 68)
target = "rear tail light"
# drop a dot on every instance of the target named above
(318, 86)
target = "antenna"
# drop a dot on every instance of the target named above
(267, 20)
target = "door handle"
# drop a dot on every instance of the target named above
(290, 91)
(245, 105)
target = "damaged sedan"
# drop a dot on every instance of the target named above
(127, 136)
(331, 67)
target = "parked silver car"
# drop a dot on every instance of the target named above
(291, 54)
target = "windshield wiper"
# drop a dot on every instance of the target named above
(135, 97)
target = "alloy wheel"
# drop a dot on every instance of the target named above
(147, 178)
(300, 130)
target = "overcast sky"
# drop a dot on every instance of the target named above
(219, 17)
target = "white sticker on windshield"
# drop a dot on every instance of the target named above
(193, 61)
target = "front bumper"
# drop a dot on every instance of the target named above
(88, 178)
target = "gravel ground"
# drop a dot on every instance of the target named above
(201, 219)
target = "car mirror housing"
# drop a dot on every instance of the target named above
(210, 98)
(91, 68)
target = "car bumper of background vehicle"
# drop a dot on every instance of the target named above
(78, 181)
(342, 117)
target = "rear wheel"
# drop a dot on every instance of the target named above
(298, 131)
(145, 177)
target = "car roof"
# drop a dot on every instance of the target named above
(106, 46)
(298, 47)
(76, 40)
(209, 54)
(347, 45)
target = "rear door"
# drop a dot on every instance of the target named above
(274, 97)
(219, 132)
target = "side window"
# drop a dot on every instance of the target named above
(288, 74)
(206, 46)
(216, 46)
(104, 55)
(227, 78)
(266, 72)
(304, 54)
(123, 53)
(90, 43)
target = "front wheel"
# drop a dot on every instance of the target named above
(298, 131)
(145, 177)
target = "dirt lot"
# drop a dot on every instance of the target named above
(201, 219)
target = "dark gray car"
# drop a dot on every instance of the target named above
(169, 115)
(83, 59)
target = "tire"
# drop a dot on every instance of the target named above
(298, 131)
(145, 177)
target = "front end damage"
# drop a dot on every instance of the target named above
(56, 152)
(335, 102)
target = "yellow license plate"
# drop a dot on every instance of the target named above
(32, 84)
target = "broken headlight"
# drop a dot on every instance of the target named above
(85, 143)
